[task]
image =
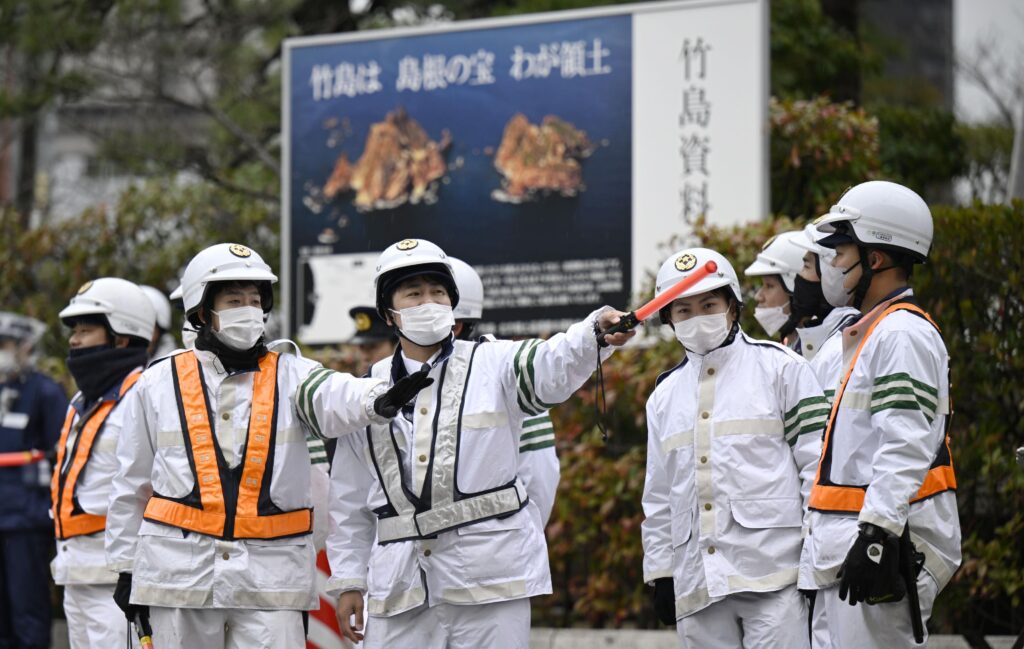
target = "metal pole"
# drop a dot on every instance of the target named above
(1016, 184)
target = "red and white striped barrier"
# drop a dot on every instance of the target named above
(323, 625)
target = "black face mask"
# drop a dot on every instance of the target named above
(97, 369)
(808, 301)
(248, 359)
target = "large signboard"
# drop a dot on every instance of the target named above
(552, 152)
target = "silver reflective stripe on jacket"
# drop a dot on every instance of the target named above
(447, 509)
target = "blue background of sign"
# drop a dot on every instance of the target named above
(465, 220)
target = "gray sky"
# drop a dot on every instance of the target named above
(999, 22)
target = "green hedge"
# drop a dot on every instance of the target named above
(973, 288)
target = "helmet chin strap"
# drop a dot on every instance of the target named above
(867, 274)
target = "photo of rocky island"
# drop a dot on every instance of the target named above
(540, 160)
(400, 164)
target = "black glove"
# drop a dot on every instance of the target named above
(390, 403)
(871, 571)
(122, 597)
(665, 600)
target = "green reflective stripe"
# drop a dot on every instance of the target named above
(537, 446)
(537, 433)
(902, 405)
(806, 409)
(543, 419)
(903, 376)
(533, 381)
(830, 396)
(524, 390)
(305, 398)
(878, 398)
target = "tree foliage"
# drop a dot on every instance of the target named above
(818, 149)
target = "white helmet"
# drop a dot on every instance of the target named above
(812, 235)
(161, 306)
(224, 262)
(176, 294)
(471, 291)
(779, 257)
(681, 264)
(20, 328)
(124, 305)
(882, 214)
(408, 258)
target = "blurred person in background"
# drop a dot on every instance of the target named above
(32, 406)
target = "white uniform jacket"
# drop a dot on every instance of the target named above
(497, 559)
(891, 423)
(176, 568)
(813, 339)
(732, 445)
(538, 463)
(81, 559)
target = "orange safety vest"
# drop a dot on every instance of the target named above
(68, 518)
(828, 496)
(228, 503)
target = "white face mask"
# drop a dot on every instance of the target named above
(832, 288)
(700, 334)
(9, 365)
(188, 337)
(426, 324)
(771, 318)
(240, 328)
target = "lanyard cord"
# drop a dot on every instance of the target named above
(600, 400)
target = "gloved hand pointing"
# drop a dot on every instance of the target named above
(405, 389)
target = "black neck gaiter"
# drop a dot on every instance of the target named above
(248, 359)
(808, 301)
(97, 369)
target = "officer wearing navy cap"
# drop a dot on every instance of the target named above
(375, 339)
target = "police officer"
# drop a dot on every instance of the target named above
(111, 324)
(443, 474)
(778, 265)
(210, 516)
(733, 435)
(31, 407)
(886, 461)
(374, 338)
(818, 334)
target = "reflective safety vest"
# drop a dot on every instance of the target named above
(228, 503)
(440, 506)
(828, 496)
(68, 518)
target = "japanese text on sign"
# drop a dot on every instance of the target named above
(694, 143)
(565, 59)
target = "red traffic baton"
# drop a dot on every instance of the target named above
(633, 319)
(21, 458)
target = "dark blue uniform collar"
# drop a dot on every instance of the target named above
(398, 370)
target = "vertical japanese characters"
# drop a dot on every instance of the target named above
(694, 141)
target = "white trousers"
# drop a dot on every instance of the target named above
(94, 620)
(837, 625)
(226, 628)
(501, 625)
(776, 620)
